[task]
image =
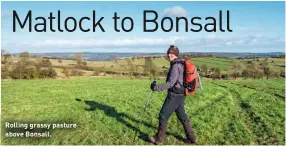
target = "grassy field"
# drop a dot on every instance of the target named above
(110, 111)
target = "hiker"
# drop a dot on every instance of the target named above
(175, 100)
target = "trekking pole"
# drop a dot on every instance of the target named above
(148, 100)
(144, 109)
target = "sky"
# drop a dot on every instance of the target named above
(257, 27)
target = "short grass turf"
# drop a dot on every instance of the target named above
(110, 111)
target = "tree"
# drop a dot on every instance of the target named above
(150, 68)
(5, 58)
(78, 57)
(266, 70)
(245, 73)
(217, 73)
(45, 63)
(24, 69)
(131, 67)
(24, 57)
(17, 71)
(282, 73)
(47, 73)
(236, 68)
(254, 71)
(204, 69)
(66, 72)
(276, 74)
(60, 61)
(4, 72)
(24, 72)
(30, 72)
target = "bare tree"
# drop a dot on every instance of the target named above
(78, 57)
(254, 71)
(236, 68)
(266, 70)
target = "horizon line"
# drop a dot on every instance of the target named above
(141, 52)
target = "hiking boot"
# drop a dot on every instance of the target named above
(159, 137)
(190, 134)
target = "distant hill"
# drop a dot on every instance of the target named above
(95, 56)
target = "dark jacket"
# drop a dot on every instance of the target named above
(174, 77)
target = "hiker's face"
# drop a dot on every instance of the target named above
(171, 57)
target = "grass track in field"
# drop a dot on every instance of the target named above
(264, 119)
(226, 112)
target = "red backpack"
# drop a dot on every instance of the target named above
(191, 78)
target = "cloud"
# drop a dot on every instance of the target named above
(176, 11)
(239, 44)
(107, 43)
(208, 43)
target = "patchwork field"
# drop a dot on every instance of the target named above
(225, 65)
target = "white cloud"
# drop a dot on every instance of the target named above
(176, 11)
(233, 44)
(124, 42)
(207, 42)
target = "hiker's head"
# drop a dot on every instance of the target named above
(172, 53)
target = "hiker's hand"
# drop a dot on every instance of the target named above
(153, 84)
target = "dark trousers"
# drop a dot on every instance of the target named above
(173, 103)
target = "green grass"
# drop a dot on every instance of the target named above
(221, 63)
(226, 112)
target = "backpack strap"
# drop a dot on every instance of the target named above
(183, 63)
